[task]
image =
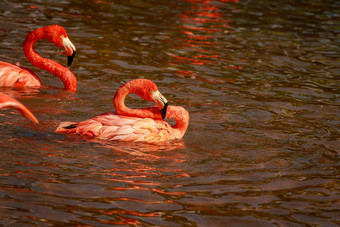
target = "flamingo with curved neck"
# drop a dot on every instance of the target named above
(134, 125)
(9, 102)
(20, 77)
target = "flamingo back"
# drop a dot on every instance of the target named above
(110, 126)
(18, 77)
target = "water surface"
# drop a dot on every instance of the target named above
(260, 80)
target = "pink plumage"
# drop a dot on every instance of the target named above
(133, 125)
(17, 77)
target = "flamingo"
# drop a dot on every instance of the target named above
(7, 101)
(133, 125)
(20, 77)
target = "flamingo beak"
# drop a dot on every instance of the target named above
(163, 111)
(69, 48)
(161, 102)
(70, 59)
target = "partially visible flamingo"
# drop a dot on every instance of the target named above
(134, 125)
(7, 101)
(20, 77)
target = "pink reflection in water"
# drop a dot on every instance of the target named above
(201, 24)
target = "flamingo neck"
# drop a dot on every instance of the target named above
(119, 99)
(66, 76)
(182, 119)
(7, 101)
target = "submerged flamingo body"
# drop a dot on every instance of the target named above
(9, 102)
(20, 77)
(134, 125)
(111, 126)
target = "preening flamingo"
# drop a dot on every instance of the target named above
(134, 125)
(19, 77)
(6, 101)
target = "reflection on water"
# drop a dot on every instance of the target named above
(260, 80)
(203, 29)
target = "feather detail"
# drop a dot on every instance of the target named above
(18, 77)
(106, 132)
(89, 128)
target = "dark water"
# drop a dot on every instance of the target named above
(259, 78)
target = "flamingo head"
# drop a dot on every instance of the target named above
(57, 35)
(69, 48)
(161, 102)
(149, 91)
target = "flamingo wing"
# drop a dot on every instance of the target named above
(18, 77)
(110, 126)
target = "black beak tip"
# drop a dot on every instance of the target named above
(163, 111)
(70, 58)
